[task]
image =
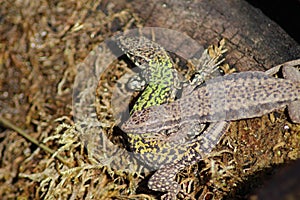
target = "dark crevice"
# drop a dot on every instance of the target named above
(285, 13)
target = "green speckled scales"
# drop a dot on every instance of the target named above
(163, 83)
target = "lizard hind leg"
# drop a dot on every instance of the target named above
(294, 111)
(293, 74)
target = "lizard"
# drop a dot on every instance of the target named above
(162, 85)
(231, 97)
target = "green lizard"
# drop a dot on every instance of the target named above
(163, 83)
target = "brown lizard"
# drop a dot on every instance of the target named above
(231, 97)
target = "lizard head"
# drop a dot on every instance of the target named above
(148, 120)
(136, 123)
(140, 50)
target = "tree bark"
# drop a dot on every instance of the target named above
(254, 42)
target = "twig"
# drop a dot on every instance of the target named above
(9, 125)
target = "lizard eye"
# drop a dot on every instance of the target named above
(140, 62)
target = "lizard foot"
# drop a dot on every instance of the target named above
(163, 180)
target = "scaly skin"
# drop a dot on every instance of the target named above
(232, 97)
(162, 85)
(157, 70)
